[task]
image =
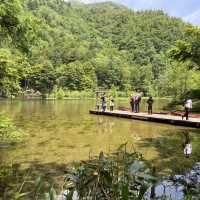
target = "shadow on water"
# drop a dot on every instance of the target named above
(170, 149)
(14, 178)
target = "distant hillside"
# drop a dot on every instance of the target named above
(76, 46)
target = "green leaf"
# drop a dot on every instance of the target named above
(70, 195)
(38, 184)
(19, 195)
(125, 192)
(120, 148)
(142, 191)
(47, 196)
(52, 194)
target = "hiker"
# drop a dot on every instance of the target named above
(187, 107)
(137, 101)
(150, 105)
(103, 98)
(187, 145)
(132, 103)
(112, 103)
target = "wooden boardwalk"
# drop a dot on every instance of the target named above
(161, 118)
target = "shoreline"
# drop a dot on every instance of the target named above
(74, 98)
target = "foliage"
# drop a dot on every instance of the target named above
(8, 131)
(79, 94)
(187, 53)
(60, 94)
(179, 80)
(121, 175)
(48, 44)
(13, 68)
(9, 16)
(189, 48)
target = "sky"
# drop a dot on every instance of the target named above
(188, 10)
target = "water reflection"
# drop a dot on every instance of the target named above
(187, 145)
(105, 125)
(169, 147)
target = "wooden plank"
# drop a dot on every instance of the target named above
(167, 119)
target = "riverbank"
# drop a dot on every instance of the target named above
(66, 94)
(79, 97)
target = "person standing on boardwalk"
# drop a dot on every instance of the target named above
(137, 103)
(103, 98)
(132, 104)
(112, 103)
(187, 107)
(150, 105)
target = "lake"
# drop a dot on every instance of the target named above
(61, 132)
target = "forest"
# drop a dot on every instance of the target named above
(52, 45)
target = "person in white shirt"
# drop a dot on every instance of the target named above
(112, 103)
(187, 107)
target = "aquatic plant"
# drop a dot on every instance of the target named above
(9, 133)
(60, 94)
(120, 175)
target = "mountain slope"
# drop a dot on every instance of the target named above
(78, 46)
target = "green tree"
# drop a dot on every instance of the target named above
(76, 76)
(189, 48)
(10, 16)
(13, 68)
(42, 77)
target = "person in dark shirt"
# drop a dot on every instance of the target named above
(103, 98)
(150, 105)
(137, 101)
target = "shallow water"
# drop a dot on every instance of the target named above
(61, 132)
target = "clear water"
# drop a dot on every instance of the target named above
(61, 132)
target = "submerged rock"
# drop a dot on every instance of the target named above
(173, 187)
(167, 190)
